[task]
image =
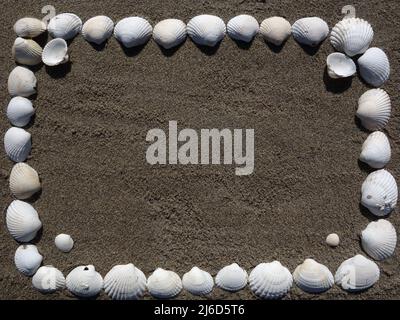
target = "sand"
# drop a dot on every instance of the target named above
(92, 117)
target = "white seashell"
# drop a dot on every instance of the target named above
(276, 30)
(64, 242)
(270, 280)
(27, 259)
(65, 26)
(55, 52)
(313, 277)
(340, 66)
(21, 82)
(376, 150)
(48, 279)
(352, 36)
(243, 28)
(169, 33)
(379, 193)
(231, 278)
(133, 31)
(29, 27)
(379, 239)
(333, 240)
(24, 181)
(206, 30)
(374, 109)
(164, 284)
(84, 281)
(198, 282)
(26, 51)
(310, 31)
(22, 221)
(374, 67)
(357, 273)
(20, 111)
(17, 144)
(125, 282)
(98, 29)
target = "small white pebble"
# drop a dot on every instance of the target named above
(333, 240)
(64, 242)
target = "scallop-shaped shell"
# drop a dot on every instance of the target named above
(379, 193)
(29, 27)
(20, 111)
(48, 279)
(98, 29)
(276, 30)
(55, 52)
(310, 31)
(125, 282)
(65, 26)
(374, 67)
(357, 273)
(270, 280)
(64, 242)
(169, 33)
(332, 240)
(243, 28)
(206, 30)
(21, 82)
(198, 282)
(133, 31)
(379, 239)
(24, 181)
(352, 36)
(231, 278)
(340, 66)
(27, 259)
(313, 277)
(376, 150)
(374, 109)
(17, 144)
(84, 281)
(164, 284)
(26, 51)
(22, 221)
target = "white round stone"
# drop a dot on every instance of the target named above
(333, 240)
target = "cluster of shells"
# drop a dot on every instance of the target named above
(351, 37)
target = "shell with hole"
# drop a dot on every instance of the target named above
(376, 150)
(48, 279)
(275, 30)
(55, 52)
(20, 111)
(340, 66)
(310, 31)
(243, 28)
(206, 30)
(65, 26)
(98, 29)
(27, 51)
(374, 67)
(374, 108)
(64, 242)
(313, 277)
(21, 82)
(198, 282)
(27, 259)
(133, 31)
(231, 278)
(169, 33)
(29, 27)
(164, 284)
(17, 144)
(24, 181)
(84, 281)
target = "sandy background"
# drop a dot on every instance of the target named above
(89, 147)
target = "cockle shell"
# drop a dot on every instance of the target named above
(98, 29)
(376, 150)
(27, 259)
(270, 280)
(22, 221)
(26, 51)
(169, 33)
(164, 284)
(379, 193)
(352, 36)
(20, 111)
(374, 109)
(374, 67)
(84, 281)
(21, 82)
(24, 181)
(198, 282)
(64, 242)
(243, 28)
(231, 278)
(276, 30)
(29, 27)
(379, 239)
(17, 144)
(332, 240)
(206, 30)
(55, 52)
(133, 31)
(310, 31)
(313, 277)
(357, 273)
(48, 279)
(340, 66)
(65, 26)
(125, 282)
